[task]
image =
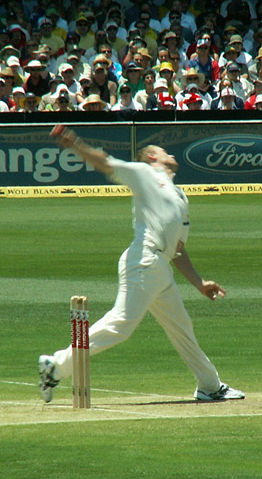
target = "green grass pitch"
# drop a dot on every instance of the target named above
(143, 423)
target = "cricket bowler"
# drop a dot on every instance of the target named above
(146, 279)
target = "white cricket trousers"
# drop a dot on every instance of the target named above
(141, 288)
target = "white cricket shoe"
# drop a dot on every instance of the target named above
(47, 381)
(224, 392)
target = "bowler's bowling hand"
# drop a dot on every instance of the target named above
(65, 136)
(212, 290)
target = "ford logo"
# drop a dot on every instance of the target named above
(227, 153)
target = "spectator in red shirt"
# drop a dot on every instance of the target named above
(204, 63)
(258, 102)
(250, 103)
(204, 33)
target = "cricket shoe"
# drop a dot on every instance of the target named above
(47, 381)
(224, 392)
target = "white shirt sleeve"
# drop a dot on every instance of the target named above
(138, 176)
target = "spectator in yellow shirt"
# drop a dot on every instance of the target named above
(55, 43)
(83, 28)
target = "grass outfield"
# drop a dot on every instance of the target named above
(143, 423)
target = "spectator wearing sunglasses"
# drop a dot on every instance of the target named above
(36, 82)
(166, 71)
(19, 77)
(47, 98)
(17, 94)
(90, 53)
(116, 15)
(172, 42)
(236, 41)
(107, 64)
(205, 33)
(230, 55)
(204, 63)
(86, 88)
(241, 86)
(61, 102)
(83, 28)
(100, 81)
(133, 77)
(55, 43)
(126, 101)
(29, 103)
(115, 42)
(67, 72)
(115, 67)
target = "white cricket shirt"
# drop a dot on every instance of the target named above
(160, 210)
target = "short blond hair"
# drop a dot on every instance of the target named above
(143, 154)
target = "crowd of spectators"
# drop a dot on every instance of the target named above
(104, 55)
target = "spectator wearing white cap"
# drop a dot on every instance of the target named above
(14, 64)
(116, 43)
(47, 98)
(85, 88)
(55, 42)
(43, 54)
(77, 65)
(17, 94)
(258, 102)
(67, 72)
(192, 101)
(62, 103)
(227, 100)
(250, 102)
(61, 92)
(165, 101)
(35, 82)
(160, 85)
(203, 62)
(116, 15)
(189, 90)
